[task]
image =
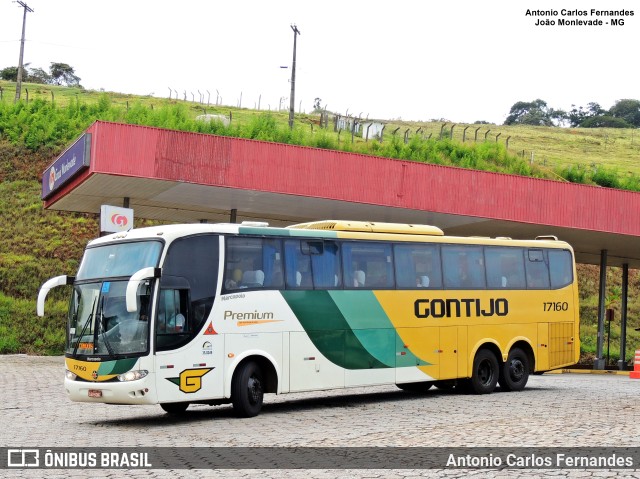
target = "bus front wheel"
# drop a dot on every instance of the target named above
(247, 391)
(515, 371)
(485, 372)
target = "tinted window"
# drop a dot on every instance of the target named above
(463, 267)
(367, 265)
(561, 268)
(297, 265)
(505, 268)
(417, 266)
(172, 326)
(253, 263)
(537, 269)
(312, 264)
(188, 286)
(325, 264)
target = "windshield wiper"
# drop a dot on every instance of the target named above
(103, 333)
(84, 328)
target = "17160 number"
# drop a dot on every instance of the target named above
(556, 306)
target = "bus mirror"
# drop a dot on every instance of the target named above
(132, 286)
(47, 286)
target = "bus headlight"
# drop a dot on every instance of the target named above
(70, 376)
(132, 375)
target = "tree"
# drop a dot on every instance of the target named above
(317, 104)
(9, 74)
(38, 75)
(63, 74)
(577, 116)
(628, 110)
(60, 74)
(605, 121)
(535, 112)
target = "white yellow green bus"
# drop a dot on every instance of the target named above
(217, 313)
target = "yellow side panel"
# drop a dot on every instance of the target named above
(423, 343)
(561, 345)
(542, 347)
(464, 369)
(448, 352)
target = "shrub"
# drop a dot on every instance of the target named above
(606, 177)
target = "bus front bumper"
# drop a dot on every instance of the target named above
(141, 391)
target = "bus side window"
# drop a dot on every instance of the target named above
(367, 265)
(463, 267)
(537, 270)
(325, 265)
(271, 263)
(560, 267)
(172, 322)
(252, 263)
(505, 268)
(297, 266)
(417, 266)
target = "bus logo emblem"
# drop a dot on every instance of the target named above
(190, 380)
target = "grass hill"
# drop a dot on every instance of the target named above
(38, 244)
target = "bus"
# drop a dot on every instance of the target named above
(223, 313)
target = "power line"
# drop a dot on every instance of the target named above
(27, 8)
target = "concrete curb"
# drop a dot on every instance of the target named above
(588, 371)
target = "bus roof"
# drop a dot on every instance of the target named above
(370, 227)
(325, 229)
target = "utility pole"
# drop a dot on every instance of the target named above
(24, 21)
(296, 32)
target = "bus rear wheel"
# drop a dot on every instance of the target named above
(485, 372)
(515, 371)
(247, 391)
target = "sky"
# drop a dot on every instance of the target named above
(458, 60)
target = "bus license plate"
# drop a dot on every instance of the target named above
(95, 393)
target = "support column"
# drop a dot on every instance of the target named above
(622, 362)
(233, 217)
(599, 362)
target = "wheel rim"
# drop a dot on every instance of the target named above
(255, 390)
(516, 370)
(485, 372)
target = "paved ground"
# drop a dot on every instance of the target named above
(555, 410)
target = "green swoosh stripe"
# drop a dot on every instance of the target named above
(372, 326)
(349, 328)
(118, 366)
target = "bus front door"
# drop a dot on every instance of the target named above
(193, 372)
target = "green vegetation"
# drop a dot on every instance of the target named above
(39, 244)
(44, 125)
(624, 114)
(588, 277)
(21, 331)
(59, 74)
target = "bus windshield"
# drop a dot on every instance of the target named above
(99, 324)
(118, 260)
